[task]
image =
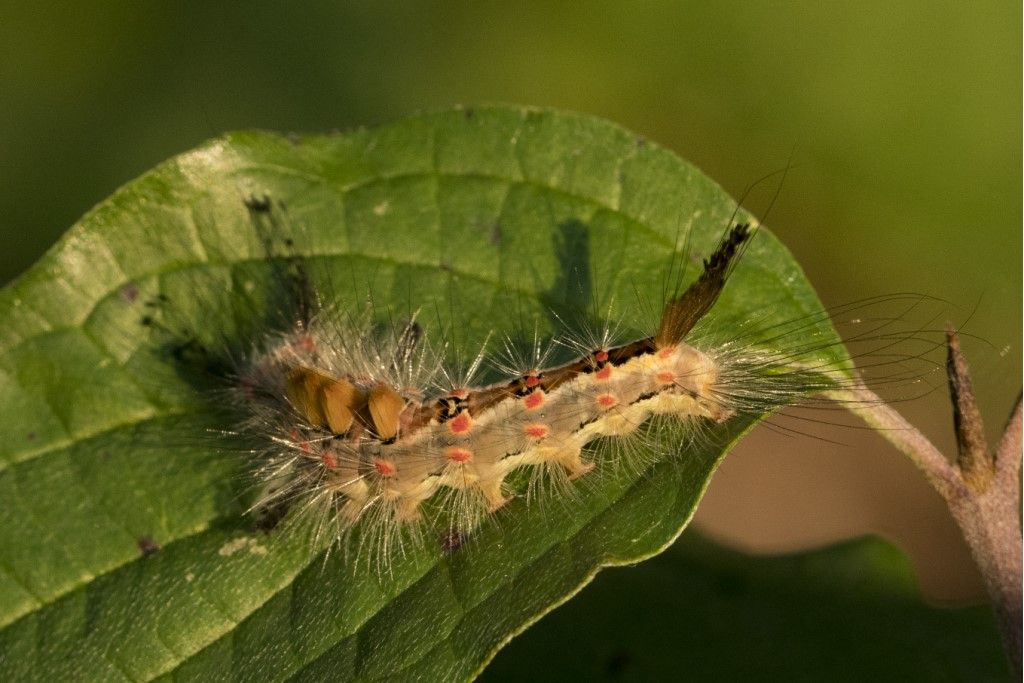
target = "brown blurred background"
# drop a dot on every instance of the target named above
(905, 119)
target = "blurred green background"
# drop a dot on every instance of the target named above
(903, 121)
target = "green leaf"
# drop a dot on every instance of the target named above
(702, 612)
(490, 219)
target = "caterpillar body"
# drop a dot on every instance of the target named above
(371, 429)
(378, 444)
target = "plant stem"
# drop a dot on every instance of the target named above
(982, 490)
(884, 419)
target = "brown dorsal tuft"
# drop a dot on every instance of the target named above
(340, 400)
(385, 406)
(303, 389)
(683, 312)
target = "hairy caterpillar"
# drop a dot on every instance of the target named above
(361, 425)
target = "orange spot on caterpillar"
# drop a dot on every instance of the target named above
(329, 460)
(461, 424)
(532, 381)
(606, 401)
(306, 343)
(601, 356)
(459, 393)
(302, 445)
(604, 373)
(666, 377)
(536, 431)
(534, 400)
(384, 468)
(666, 352)
(458, 454)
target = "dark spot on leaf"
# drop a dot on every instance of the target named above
(147, 546)
(469, 112)
(31, 436)
(258, 204)
(495, 237)
(269, 517)
(452, 541)
(158, 301)
(129, 293)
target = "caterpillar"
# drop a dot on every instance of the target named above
(364, 426)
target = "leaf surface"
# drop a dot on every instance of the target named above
(483, 220)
